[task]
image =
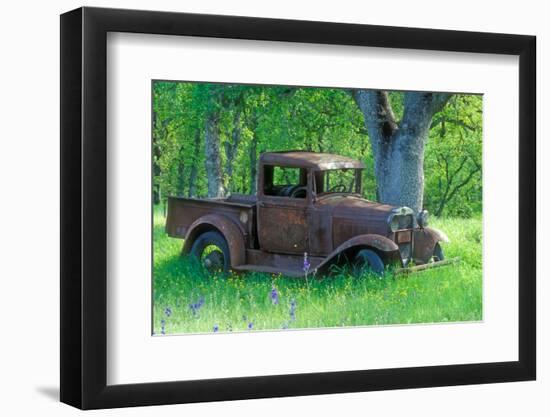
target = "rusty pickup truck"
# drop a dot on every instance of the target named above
(308, 214)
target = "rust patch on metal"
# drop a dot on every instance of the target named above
(282, 227)
(404, 237)
(424, 243)
(315, 160)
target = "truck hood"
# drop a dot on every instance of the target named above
(352, 207)
(352, 216)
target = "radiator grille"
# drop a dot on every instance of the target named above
(405, 250)
(405, 221)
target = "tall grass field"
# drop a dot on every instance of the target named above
(186, 299)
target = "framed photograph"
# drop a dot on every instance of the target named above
(256, 208)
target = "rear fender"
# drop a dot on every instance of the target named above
(222, 224)
(384, 246)
(424, 243)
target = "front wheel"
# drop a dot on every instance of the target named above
(368, 260)
(212, 251)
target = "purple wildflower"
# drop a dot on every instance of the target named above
(250, 326)
(162, 324)
(274, 295)
(195, 307)
(292, 311)
(168, 311)
(216, 328)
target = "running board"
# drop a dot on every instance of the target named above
(270, 270)
(424, 267)
(291, 265)
(275, 263)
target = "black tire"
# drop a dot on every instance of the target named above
(368, 260)
(218, 259)
(438, 253)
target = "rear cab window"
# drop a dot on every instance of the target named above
(288, 182)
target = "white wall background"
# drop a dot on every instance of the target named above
(29, 219)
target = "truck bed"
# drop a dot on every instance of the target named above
(182, 212)
(242, 199)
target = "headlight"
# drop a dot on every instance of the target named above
(393, 223)
(422, 218)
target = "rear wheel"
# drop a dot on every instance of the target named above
(368, 260)
(212, 251)
(438, 253)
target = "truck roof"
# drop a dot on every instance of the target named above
(315, 160)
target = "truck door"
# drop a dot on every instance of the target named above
(282, 210)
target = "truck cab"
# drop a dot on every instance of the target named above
(289, 186)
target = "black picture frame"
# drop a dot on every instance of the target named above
(84, 207)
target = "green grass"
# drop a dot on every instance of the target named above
(447, 294)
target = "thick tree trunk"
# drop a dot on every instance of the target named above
(399, 148)
(253, 164)
(194, 168)
(231, 149)
(181, 180)
(157, 131)
(214, 172)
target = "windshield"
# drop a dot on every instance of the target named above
(338, 181)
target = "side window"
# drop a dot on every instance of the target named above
(285, 181)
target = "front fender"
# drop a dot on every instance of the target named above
(424, 243)
(378, 242)
(230, 231)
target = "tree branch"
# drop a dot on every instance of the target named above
(457, 122)
(379, 121)
(420, 105)
(376, 108)
(461, 165)
(465, 182)
(439, 100)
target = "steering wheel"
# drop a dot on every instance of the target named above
(299, 192)
(286, 191)
(338, 188)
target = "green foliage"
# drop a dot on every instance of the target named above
(447, 294)
(254, 119)
(454, 158)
